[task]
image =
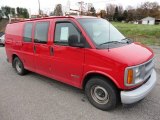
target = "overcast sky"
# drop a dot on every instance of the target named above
(48, 5)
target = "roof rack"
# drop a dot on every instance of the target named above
(16, 20)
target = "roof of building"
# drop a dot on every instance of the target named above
(148, 18)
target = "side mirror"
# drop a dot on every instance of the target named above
(73, 41)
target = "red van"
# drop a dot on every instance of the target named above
(86, 52)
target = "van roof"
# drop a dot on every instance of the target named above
(53, 17)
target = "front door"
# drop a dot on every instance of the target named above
(68, 61)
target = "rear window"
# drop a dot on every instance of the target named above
(41, 32)
(28, 32)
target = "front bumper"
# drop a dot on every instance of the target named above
(129, 97)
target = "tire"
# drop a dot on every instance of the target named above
(19, 67)
(101, 93)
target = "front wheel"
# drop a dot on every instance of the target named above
(101, 93)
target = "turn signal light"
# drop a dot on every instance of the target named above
(130, 76)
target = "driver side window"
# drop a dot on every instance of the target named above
(63, 31)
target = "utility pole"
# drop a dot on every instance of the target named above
(39, 7)
(67, 11)
(81, 7)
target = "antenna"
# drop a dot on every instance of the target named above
(109, 29)
(109, 34)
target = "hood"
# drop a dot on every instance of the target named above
(132, 54)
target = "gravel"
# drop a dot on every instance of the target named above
(35, 97)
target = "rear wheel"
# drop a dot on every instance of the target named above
(101, 93)
(18, 65)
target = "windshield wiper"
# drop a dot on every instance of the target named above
(110, 42)
(128, 40)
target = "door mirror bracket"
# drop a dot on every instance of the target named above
(73, 41)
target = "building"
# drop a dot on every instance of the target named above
(157, 22)
(148, 21)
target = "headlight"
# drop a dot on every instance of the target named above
(134, 75)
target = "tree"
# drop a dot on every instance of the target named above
(110, 9)
(120, 10)
(25, 13)
(90, 5)
(145, 9)
(131, 15)
(120, 13)
(17, 9)
(58, 10)
(125, 15)
(116, 14)
(1, 14)
(6, 10)
(92, 11)
(149, 9)
(22, 12)
(103, 14)
(13, 12)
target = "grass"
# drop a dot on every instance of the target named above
(146, 34)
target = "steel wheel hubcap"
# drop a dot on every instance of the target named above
(18, 66)
(99, 94)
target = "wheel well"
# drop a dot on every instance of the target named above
(13, 57)
(89, 76)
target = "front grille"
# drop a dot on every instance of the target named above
(148, 68)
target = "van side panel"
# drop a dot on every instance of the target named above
(13, 38)
(64, 62)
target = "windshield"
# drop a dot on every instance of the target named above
(101, 31)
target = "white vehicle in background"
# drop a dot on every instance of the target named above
(2, 40)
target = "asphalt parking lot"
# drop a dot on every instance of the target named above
(35, 97)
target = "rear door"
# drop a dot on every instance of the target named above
(27, 46)
(42, 47)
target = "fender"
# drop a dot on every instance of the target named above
(101, 73)
(17, 54)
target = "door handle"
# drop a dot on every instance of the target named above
(34, 49)
(51, 51)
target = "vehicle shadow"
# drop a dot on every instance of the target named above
(72, 90)
(55, 83)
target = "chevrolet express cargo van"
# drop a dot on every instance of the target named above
(86, 52)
